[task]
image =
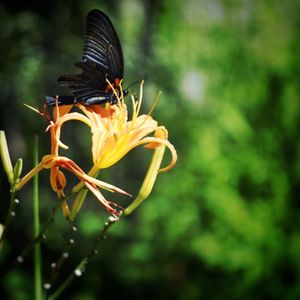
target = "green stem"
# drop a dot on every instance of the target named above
(36, 229)
(77, 204)
(68, 281)
(40, 236)
(69, 242)
(92, 251)
(81, 194)
(10, 215)
(38, 239)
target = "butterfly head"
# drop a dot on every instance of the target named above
(114, 99)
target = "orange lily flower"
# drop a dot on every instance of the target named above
(113, 136)
(54, 162)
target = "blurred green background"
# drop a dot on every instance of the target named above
(224, 223)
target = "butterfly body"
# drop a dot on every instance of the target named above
(101, 66)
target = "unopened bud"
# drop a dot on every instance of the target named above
(1, 230)
(5, 157)
(18, 169)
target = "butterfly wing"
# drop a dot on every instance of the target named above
(102, 45)
(102, 59)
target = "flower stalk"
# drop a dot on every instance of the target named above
(13, 177)
(79, 199)
(77, 272)
(10, 215)
(37, 256)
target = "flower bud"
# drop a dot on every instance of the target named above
(5, 157)
(18, 169)
(57, 179)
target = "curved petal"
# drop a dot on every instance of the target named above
(74, 116)
(114, 158)
(101, 199)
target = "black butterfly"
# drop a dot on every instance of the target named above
(102, 59)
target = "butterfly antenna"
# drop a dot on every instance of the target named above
(135, 82)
